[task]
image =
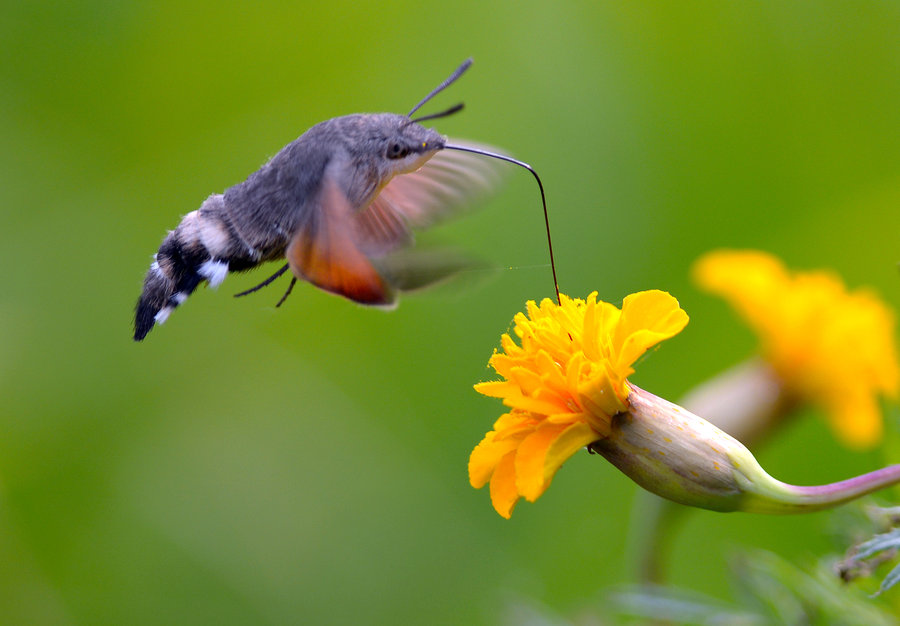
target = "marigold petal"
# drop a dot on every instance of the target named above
(533, 405)
(570, 441)
(750, 274)
(856, 420)
(569, 418)
(515, 433)
(513, 419)
(531, 479)
(509, 346)
(648, 317)
(503, 363)
(590, 339)
(485, 457)
(549, 370)
(608, 319)
(601, 396)
(497, 388)
(573, 371)
(543, 452)
(503, 486)
(527, 380)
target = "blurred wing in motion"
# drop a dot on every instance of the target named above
(324, 251)
(335, 248)
(444, 186)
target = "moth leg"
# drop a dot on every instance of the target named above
(288, 292)
(266, 282)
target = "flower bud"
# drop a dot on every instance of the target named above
(677, 455)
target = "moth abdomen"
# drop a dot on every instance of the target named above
(204, 246)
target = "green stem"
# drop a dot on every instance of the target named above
(785, 498)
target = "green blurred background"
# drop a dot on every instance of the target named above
(308, 464)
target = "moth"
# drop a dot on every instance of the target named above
(335, 203)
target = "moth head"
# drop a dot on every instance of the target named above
(409, 145)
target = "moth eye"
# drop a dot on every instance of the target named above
(397, 151)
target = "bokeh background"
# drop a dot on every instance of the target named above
(308, 464)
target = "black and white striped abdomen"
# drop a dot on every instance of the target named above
(204, 246)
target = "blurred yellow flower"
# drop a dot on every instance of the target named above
(563, 384)
(830, 347)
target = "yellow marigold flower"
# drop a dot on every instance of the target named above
(563, 385)
(828, 346)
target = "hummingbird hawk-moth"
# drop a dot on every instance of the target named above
(336, 203)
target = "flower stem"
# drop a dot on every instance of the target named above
(802, 499)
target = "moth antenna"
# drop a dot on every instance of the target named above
(509, 159)
(263, 283)
(447, 82)
(456, 108)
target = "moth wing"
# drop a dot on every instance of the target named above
(325, 252)
(447, 183)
